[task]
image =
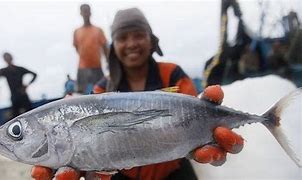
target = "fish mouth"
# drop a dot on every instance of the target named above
(4, 151)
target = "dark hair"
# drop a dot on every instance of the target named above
(83, 6)
(6, 54)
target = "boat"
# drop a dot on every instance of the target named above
(253, 55)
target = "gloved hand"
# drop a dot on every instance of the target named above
(66, 173)
(227, 140)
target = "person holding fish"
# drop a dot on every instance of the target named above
(132, 68)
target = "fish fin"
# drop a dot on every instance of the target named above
(284, 122)
(139, 117)
(173, 89)
(114, 121)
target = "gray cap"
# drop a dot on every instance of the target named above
(131, 19)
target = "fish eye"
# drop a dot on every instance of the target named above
(15, 130)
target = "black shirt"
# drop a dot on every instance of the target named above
(14, 76)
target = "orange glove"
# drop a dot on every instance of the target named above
(227, 140)
(65, 173)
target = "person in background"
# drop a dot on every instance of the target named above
(132, 68)
(90, 43)
(14, 76)
(69, 86)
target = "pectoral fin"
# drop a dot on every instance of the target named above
(114, 121)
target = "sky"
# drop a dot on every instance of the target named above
(39, 34)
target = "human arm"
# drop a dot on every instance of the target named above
(104, 43)
(75, 44)
(34, 76)
(106, 51)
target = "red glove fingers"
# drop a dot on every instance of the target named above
(67, 173)
(41, 173)
(213, 93)
(228, 140)
(210, 154)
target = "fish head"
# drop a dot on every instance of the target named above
(20, 138)
(26, 140)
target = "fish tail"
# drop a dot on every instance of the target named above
(284, 121)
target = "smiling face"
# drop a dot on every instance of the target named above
(133, 48)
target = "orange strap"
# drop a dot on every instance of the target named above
(153, 171)
(185, 84)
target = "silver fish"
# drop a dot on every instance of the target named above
(114, 131)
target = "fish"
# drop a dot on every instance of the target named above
(116, 130)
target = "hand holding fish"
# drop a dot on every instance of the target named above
(65, 173)
(227, 141)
